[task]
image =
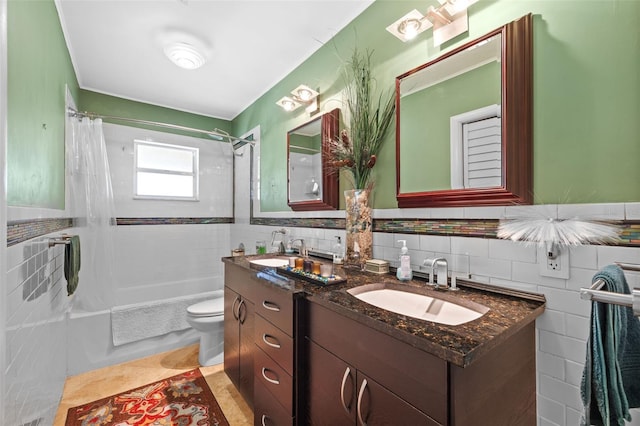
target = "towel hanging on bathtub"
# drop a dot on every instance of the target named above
(611, 378)
(72, 263)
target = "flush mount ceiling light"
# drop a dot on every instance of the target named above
(184, 55)
(301, 95)
(448, 20)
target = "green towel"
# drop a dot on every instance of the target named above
(611, 378)
(72, 263)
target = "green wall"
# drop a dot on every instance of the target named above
(39, 67)
(118, 107)
(586, 95)
(425, 125)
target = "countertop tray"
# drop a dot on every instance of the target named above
(312, 278)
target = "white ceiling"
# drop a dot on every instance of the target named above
(116, 47)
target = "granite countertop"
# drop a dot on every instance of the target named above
(509, 311)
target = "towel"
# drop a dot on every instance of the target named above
(611, 378)
(72, 263)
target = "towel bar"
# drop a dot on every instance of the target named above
(63, 239)
(631, 300)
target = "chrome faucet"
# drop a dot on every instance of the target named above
(439, 269)
(280, 243)
(302, 250)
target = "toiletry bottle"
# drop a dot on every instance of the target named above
(404, 272)
(338, 254)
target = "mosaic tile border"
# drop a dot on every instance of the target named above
(127, 221)
(479, 228)
(22, 230)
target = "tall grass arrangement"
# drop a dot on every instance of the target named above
(370, 117)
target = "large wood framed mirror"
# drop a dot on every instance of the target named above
(464, 124)
(311, 184)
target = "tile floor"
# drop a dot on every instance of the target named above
(111, 380)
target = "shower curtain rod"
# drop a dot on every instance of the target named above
(234, 141)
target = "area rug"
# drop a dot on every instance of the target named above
(181, 400)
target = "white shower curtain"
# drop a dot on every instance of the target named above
(93, 210)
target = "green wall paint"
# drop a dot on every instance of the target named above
(586, 95)
(425, 125)
(39, 67)
(118, 107)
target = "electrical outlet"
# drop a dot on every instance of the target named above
(557, 267)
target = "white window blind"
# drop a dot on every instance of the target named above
(163, 171)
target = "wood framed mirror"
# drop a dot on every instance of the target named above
(464, 124)
(311, 185)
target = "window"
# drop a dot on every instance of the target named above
(162, 171)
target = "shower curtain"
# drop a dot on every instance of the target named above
(93, 210)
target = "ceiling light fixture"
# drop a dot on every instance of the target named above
(448, 20)
(184, 55)
(301, 95)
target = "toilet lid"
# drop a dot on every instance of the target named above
(208, 308)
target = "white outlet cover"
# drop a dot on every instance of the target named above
(562, 260)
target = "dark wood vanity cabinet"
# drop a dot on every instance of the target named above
(358, 375)
(238, 341)
(239, 325)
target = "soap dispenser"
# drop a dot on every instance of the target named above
(404, 272)
(338, 253)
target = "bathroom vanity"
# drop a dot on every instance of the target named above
(321, 356)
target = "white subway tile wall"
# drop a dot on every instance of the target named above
(36, 364)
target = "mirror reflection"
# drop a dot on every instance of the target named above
(464, 135)
(311, 186)
(451, 115)
(305, 162)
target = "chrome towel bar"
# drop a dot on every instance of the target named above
(632, 300)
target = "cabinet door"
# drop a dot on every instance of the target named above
(331, 389)
(246, 318)
(231, 336)
(375, 405)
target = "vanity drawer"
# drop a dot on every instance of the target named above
(275, 305)
(274, 379)
(267, 410)
(275, 343)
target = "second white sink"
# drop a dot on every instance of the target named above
(273, 263)
(418, 305)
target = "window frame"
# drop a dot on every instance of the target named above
(194, 173)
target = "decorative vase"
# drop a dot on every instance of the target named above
(359, 241)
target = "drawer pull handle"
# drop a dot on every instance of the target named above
(236, 316)
(347, 373)
(263, 420)
(270, 306)
(360, 394)
(273, 345)
(272, 381)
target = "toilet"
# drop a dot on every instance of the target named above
(208, 319)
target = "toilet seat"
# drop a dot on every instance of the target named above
(207, 308)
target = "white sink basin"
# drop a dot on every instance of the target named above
(274, 263)
(418, 305)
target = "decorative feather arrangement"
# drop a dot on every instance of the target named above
(566, 232)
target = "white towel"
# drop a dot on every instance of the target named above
(131, 323)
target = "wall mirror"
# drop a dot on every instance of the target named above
(311, 184)
(464, 124)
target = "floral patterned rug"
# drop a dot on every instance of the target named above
(184, 400)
